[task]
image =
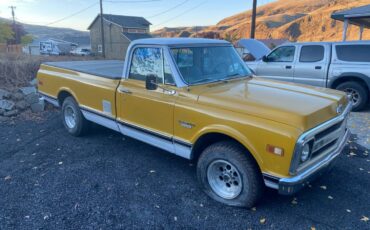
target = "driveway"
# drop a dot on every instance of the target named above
(51, 180)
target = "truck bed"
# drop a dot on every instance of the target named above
(111, 69)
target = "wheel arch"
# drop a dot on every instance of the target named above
(211, 136)
(345, 77)
(63, 94)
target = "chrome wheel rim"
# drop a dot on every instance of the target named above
(224, 179)
(70, 117)
(355, 95)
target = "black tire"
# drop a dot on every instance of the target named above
(81, 125)
(250, 175)
(359, 94)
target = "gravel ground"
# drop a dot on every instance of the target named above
(50, 180)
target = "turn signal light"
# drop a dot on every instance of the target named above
(275, 150)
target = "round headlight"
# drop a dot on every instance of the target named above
(305, 152)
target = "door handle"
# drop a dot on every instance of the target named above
(124, 90)
(288, 67)
(317, 67)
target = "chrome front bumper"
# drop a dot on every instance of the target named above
(291, 185)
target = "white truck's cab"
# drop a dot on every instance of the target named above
(338, 65)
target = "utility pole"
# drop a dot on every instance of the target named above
(14, 25)
(253, 24)
(13, 14)
(102, 28)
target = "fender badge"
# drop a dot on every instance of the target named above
(186, 124)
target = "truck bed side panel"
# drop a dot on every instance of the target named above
(94, 93)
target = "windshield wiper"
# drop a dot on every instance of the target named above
(203, 80)
(234, 76)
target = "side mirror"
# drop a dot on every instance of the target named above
(151, 82)
(265, 58)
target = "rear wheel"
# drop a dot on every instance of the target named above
(72, 118)
(230, 175)
(358, 92)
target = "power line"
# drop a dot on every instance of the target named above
(183, 13)
(168, 10)
(74, 14)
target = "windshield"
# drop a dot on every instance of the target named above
(209, 64)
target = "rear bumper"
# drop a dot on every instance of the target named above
(291, 185)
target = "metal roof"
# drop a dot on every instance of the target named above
(124, 21)
(135, 36)
(179, 41)
(358, 16)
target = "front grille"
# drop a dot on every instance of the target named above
(328, 139)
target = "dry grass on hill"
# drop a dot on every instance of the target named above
(296, 20)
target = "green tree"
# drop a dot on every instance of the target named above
(6, 33)
(26, 39)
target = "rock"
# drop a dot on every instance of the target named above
(49, 106)
(38, 107)
(6, 105)
(2, 111)
(33, 82)
(4, 94)
(32, 98)
(11, 113)
(17, 96)
(21, 105)
(28, 90)
(4, 119)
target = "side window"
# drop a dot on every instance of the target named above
(146, 61)
(311, 53)
(353, 53)
(184, 57)
(168, 77)
(282, 54)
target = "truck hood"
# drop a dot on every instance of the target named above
(255, 47)
(300, 106)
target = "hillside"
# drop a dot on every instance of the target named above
(44, 32)
(296, 20)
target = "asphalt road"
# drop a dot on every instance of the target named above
(50, 180)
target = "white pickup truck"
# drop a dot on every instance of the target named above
(338, 65)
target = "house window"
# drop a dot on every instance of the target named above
(136, 30)
(100, 48)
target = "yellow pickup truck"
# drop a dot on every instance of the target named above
(197, 99)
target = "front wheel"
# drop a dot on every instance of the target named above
(358, 92)
(230, 175)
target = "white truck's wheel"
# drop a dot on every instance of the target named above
(230, 175)
(73, 120)
(358, 92)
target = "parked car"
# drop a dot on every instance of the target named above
(81, 52)
(338, 65)
(197, 99)
(56, 47)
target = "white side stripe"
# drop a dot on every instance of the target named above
(167, 145)
(111, 124)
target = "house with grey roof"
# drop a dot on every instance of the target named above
(119, 31)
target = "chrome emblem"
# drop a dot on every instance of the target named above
(339, 109)
(186, 124)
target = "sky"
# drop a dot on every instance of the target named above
(78, 14)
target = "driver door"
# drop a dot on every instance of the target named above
(279, 64)
(147, 114)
